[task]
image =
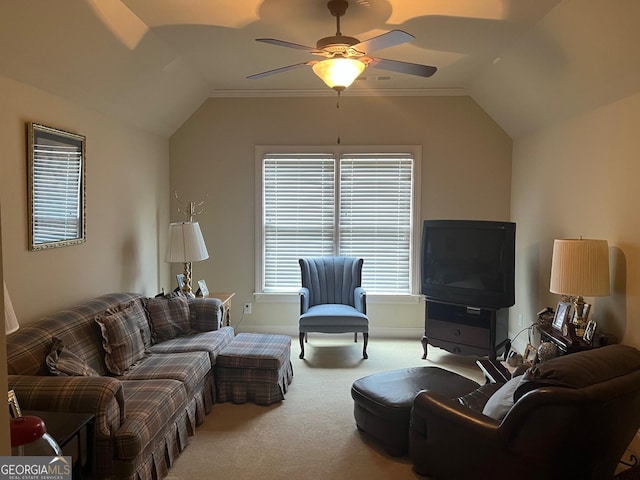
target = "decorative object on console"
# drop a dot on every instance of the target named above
(546, 316)
(186, 245)
(580, 267)
(547, 351)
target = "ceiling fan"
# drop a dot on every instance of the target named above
(346, 57)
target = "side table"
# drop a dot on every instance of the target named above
(74, 434)
(225, 298)
(566, 345)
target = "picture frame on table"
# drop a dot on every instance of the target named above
(563, 312)
(14, 407)
(181, 279)
(203, 291)
(530, 355)
(589, 331)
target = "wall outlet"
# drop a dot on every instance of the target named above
(247, 309)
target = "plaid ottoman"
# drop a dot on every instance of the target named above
(254, 367)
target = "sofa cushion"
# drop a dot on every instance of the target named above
(501, 401)
(121, 338)
(210, 342)
(190, 368)
(62, 361)
(169, 316)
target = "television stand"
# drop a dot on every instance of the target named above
(466, 330)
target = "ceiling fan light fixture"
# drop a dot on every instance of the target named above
(338, 72)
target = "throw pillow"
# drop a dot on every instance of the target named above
(121, 338)
(501, 402)
(206, 314)
(138, 311)
(168, 316)
(61, 361)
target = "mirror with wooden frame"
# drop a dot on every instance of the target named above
(56, 169)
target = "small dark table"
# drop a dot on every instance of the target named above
(566, 345)
(74, 434)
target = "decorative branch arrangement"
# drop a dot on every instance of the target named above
(192, 208)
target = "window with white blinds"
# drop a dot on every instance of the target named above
(56, 188)
(299, 215)
(338, 203)
(375, 218)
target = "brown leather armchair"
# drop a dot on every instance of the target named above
(572, 417)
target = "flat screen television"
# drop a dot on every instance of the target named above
(469, 262)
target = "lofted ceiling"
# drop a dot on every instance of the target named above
(153, 62)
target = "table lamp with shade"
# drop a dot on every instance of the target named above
(580, 268)
(10, 320)
(28, 433)
(186, 245)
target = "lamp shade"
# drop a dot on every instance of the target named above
(580, 267)
(186, 243)
(10, 320)
(339, 72)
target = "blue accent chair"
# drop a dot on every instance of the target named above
(332, 299)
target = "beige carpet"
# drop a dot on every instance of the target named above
(312, 433)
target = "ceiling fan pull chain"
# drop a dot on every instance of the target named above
(338, 108)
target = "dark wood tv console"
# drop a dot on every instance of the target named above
(465, 330)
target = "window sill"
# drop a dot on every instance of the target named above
(371, 298)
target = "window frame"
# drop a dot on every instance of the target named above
(414, 264)
(56, 176)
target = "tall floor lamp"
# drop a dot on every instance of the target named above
(186, 245)
(580, 268)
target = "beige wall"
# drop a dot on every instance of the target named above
(580, 178)
(466, 173)
(127, 198)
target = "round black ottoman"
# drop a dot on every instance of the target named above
(383, 401)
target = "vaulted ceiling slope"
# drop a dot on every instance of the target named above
(151, 63)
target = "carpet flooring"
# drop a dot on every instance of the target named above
(311, 434)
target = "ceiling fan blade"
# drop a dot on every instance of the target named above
(282, 43)
(278, 70)
(403, 67)
(386, 40)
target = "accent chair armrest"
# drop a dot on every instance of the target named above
(304, 299)
(360, 299)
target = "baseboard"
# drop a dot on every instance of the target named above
(374, 332)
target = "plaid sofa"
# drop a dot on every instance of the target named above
(145, 413)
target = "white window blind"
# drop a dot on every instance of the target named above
(298, 215)
(348, 202)
(375, 218)
(57, 183)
